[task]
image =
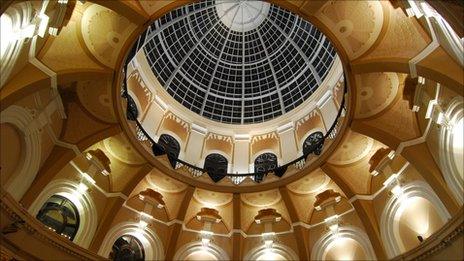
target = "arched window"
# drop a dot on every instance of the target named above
(216, 166)
(127, 248)
(167, 145)
(170, 145)
(131, 111)
(313, 143)
(60, 214)
(263, 164)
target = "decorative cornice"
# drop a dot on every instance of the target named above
(152, 197)
(326, 198)
(378, 157)
(267, 215)
(209, 214)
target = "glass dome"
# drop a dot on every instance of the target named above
(238, 62)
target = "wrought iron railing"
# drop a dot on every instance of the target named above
(236, 178)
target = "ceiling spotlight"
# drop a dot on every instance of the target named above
(82, 188)
(206, 237)
(268, 239)
(334, 227)
(142, 224)
(397, 190)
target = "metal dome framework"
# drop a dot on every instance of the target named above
(237, 62)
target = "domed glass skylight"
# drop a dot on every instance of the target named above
(235, 61)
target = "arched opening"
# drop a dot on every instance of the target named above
(271, 255)
(11, 150)
(216, 165)
(417, 210)
(265, 162)
(131, 111)
(313, 143)
(6, 31)
(85, 208)
(127, 248)
(146, 239)
(276, 252)
(416, 220)
(18, 118)
(197, 251)
(170, 145)
(200, 255)
(348, 243)
(344, 249)
(60, 215)
(451, 143)
(15, 27)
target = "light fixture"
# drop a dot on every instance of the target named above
(430, 107)
(142, 224)
(82, 188)
(27, 32)
(88, 178)
(43, 24)
(420, 238)
(397, 190)
(391, 154)
(206, 237)
(205, 241)
(332, 224)
(374, 173)
(268, 243)
(268, 239)
(334, 228)
(390, 179)
(442, 120)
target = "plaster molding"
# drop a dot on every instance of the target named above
(88, 216)
(323, 244)
(152, 245)
(280, 249)
(183, 252)
(389, 230)
(24, 174)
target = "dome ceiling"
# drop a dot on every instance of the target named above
(238, 62)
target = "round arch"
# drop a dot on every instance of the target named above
(152, 245)
(450, 139)
(349, 232)
(182, 144)
(87, 209)
(19, 16)
(27, 169)
(193, 247)
(389, 229)
(220, 152)
(279, 249)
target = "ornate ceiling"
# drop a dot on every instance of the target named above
(67, 102)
